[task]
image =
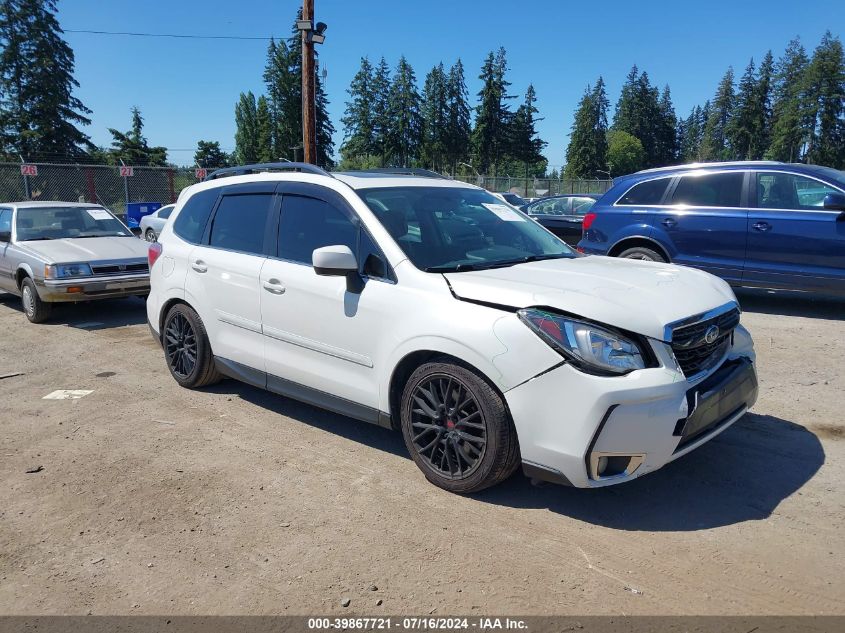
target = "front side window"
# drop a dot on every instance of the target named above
(191, 221)
(790, 191)
(240, 223)
(647, 193)
(56, 223)
(443, 229)
(709, 190)
(308, 224)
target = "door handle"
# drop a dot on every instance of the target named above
(669, 222)
(275, 286)
(199, 266)
(761, 226)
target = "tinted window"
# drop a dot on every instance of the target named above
(240, 222)
(789, 191)
(709, 190)
(165, 213)
(648, 192)
(580, 206)
(191, 221)
(5, 220)
(554, 206)
(308, 224)
(370, 258)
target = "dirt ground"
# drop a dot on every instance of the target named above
(157, 500)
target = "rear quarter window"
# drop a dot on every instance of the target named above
(191, 221)
(646, 193)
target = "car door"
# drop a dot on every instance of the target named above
(223, 273)
(7, 281)
(321, 333)
(556, 215)
(793, 241)
(705, 219)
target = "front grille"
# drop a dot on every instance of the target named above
(692, 350)
(120, 269)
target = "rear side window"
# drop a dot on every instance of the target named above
(308, 224)
(240, 223)
(580, 206)
(649, 192)
(165, 213)
(191, 221)
(710, 190)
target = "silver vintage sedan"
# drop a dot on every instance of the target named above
(69, 252)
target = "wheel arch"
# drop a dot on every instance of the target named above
(638, 240)
(24, 270)
(166, 307)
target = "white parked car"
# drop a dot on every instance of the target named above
(152, 224)
(428, 305)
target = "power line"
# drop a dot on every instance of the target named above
(174, 35)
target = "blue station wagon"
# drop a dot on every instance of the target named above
(758, 224)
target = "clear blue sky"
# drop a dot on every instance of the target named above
(187, 89)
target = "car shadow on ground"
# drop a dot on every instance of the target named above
(91, 315)
(791, 304)
(741, 475)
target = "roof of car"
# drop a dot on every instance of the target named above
(34, 204)
(371, 180)
(716, 165)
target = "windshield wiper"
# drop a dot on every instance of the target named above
(96, 235)
(460, 268)
(457, 268)
(36, 239)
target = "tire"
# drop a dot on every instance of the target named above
(150, 235)
(36, 310)
(187, 350)
(643, 254)
(459, 454)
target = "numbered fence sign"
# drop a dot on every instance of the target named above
(126, 171)
(29, 170)
(201, 173)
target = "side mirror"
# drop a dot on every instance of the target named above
(334, 261)
(834, 202)
(5, 236)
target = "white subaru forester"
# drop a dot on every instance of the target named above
(416, 302)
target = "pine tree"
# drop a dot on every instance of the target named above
(404, 113)
(693, 127)
(284, 97)
(246, 130)
(714, 145)
(741, 129)
(788, 134)
(826, 103)
(525, 146)
(380, 114)
(458, 126)
(763, 108)
(209, 154)
(358, 124)
(263, 131)
(39, 114)
(434, 116)
(492, 116)
(131, 147)
(586, 154)
(666, 137)
(639, 113)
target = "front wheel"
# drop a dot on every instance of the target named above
(36, 310)
(643, 254)
(457, 428)
(187, 350)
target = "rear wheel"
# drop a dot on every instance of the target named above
(150, 235)
(643, 254)
(36, 310)
(457, 428)
(187, 350)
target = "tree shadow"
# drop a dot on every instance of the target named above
(791, 304)
(102, 314)
(741, 475)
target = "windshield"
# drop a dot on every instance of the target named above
(837, 176)
(55, 223)
(446, 229)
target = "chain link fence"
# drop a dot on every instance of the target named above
(114, 187)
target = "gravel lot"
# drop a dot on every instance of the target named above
(153, 499)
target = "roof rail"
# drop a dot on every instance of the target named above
(400, 171)
(240, 170)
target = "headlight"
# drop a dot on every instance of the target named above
(585, 344)
(57, 271)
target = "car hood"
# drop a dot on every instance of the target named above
(87, 249)
(641, 297)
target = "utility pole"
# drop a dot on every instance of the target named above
(309, 127)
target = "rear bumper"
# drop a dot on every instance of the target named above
(567, 420)
(90, 288)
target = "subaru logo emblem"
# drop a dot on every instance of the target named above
(711, 334)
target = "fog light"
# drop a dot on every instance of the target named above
(601, 466)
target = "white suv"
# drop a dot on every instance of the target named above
(426, 304)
